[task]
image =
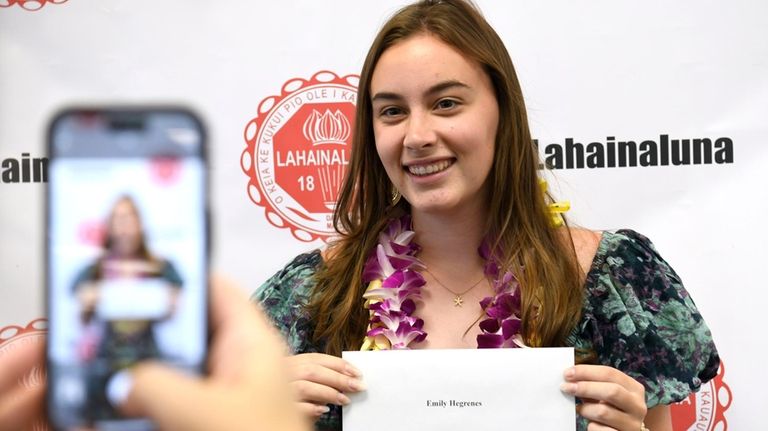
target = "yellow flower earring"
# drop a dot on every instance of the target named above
(555, 209)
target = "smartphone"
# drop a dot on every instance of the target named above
(126, 256)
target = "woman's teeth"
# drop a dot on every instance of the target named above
(420, 170)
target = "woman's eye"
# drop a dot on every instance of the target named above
(391, 112)
(446, 104)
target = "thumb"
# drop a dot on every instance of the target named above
(167, 396)
(22, 409)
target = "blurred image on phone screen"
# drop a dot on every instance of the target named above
(126, 256)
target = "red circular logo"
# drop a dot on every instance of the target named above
(298, 148)
(705, 409)
(31, 5)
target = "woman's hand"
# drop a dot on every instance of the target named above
(320, 379)
(611, 400)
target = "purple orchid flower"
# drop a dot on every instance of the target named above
(403, 335)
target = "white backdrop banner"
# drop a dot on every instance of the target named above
(651, 116)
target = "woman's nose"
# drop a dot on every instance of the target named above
(420, 132)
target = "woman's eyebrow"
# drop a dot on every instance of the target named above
(445, 85)
(431, 91)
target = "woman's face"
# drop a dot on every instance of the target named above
(435, 117)
(125, 229)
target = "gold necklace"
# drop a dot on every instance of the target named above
(458, 301)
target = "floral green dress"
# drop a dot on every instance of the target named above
(637, 317)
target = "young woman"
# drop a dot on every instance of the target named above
(446, 240)
(110, 344)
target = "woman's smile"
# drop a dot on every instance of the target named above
(424, 169)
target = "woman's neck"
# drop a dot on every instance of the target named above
(450, 243)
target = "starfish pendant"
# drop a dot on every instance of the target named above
(457, 301)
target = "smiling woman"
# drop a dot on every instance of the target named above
(445, 240)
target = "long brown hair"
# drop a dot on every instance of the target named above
(142, 251)
(542, 257)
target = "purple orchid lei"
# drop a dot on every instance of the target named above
(394, 283)
(502, 326)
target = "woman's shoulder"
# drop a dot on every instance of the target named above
(626, 267)
(632, 257)
(638, 317)
(295, 278)
(585, 244)
(616, 248)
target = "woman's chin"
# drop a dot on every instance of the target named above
(125, 252)
(436, 208)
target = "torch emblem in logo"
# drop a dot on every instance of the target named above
(328, 129)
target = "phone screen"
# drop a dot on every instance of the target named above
(126, 256)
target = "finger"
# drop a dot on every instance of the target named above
(605, 416)
(22, 386)
(594, 426)
(226, 298)
(318, 394)
(317, 373)
(602, 373)
(176, 401)
(313, 410)
(233, 313)
(241, 331)
(610, 393)
(328, 361)
(22, 408)
(167, 396)
(18, 360)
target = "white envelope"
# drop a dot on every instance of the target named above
(130, 298)
(467, 389)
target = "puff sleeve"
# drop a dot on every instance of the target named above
(638, 318)
(284, 297)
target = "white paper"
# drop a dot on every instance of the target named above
(133, 299)
(422, 390)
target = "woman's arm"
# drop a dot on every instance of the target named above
(659, 418)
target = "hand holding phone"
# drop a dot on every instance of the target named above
(247, 388)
